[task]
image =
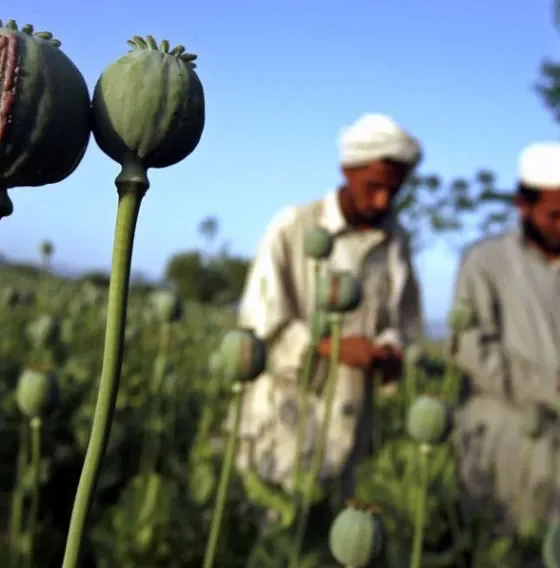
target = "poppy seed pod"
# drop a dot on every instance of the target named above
(167, 305)
(461, 317)
(6, 205)
(356, 537)
(10, 297)
(44, 109)
(533, 422)
(318, 243)
(148, 106)
(243, 356)
(37, 392)
(551, 546)
(429, 420)
(44, 331)
(338, 292)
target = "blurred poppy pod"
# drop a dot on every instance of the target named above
(44, 331)
(243, 356)
(356, 536)
(461, 317)
(167, 305)
(534, 422)
(318, 243)
(37, 392)
(429, 420)
(338, 292)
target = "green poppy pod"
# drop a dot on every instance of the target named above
(551, 546)
(44, 110)
(429, 420)
(461, 317)
(148, 106)
(167, 305)
(243, 356)
(45, 331)
(318, 243)
(37, 392)
(533, 422)
(338, 292)
(356, 537)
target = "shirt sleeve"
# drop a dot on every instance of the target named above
(268, 303)
(479, 350)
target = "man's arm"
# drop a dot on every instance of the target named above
(480, 351)
(267, 305)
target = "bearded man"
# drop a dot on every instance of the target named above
(507, 430)
(377, 156)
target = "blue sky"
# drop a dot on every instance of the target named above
(281, 79)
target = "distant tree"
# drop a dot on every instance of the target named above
(46, 250)
(208, 229)
(96, 277)
(194, 278)
(431, 207)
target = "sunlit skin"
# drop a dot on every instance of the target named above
(541, 220)
(370, 191)
(366, 200)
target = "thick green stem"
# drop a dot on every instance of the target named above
(35, 425)
(321, 442)
(303, 394)
(150, 450)
(18, 495)
(449, 390)
(308, 367)
(212, 545)
(420, 520)
(131, 192)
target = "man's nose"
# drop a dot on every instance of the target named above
(381, 199)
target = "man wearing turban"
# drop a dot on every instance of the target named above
(376, 156)
(507, 429)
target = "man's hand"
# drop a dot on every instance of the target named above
(389, 363)
(355, 351)
(360, 352)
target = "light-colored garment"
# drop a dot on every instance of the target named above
(278, 304)
(539, 166)
(374, 137)
(511, 356)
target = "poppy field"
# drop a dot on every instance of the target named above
(156, 494)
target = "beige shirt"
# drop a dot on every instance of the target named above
(278, 304)
(511, 358)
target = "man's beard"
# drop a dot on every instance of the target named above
(534, 235)
(355, 217)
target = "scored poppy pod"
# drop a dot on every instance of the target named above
(44, 111)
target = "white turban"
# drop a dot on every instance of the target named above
(378, 137)
(539, 166)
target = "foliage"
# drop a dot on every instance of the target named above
(157, 489)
